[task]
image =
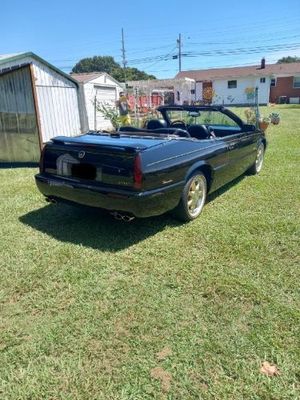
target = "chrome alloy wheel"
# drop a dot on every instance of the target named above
(196, 195)
(259, 157)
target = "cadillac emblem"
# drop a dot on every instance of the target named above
(81, 154)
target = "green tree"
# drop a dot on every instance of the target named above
(109, 65)
(289, 59)
(132, 74)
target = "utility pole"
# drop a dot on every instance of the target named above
(179, 44)
(124, 62)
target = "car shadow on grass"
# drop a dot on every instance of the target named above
(225, 188)
(92, 227)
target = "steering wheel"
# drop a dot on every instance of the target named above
(179, 124)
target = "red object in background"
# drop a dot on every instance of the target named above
(143, 103)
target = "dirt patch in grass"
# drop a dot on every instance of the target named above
(163, 376)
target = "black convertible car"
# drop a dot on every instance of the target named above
(172, 164)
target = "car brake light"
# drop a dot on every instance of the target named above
(137, 172)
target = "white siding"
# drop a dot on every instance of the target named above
(58, 107)
(57, 101)
(238, 95)
(199, 91)
(184, 88)
(104, 95)
(43, 74)
(89, 96)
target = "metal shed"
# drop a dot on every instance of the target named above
(37, 102)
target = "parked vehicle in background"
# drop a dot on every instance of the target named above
(172, 164)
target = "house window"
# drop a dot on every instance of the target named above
(273, 82)
(232, 84)
(192, 91)
(296, 82)
(262, 80)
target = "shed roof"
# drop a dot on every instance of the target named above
(85, 77)
(7, 57)
(237, 72)
(17, 57)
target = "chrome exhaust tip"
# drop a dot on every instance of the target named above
(49, 200)
(122, 217)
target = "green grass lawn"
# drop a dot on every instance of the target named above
(93, 308)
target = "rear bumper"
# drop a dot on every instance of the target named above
(140, 204)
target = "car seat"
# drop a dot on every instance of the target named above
(156, 124)
(199, 131)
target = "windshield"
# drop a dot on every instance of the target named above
(211, 117)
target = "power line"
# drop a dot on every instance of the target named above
(234, 42)
(188, 44)
(213, 66)
(238, 51)
(221, 52)
(167, 56)
(228, 33)
(191, 52)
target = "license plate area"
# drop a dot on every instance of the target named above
(70, 167)
(84, 171)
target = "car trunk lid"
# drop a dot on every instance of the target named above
(98, 159)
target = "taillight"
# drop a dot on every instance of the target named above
(137, 173)
(41, 164)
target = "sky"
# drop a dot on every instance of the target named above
(215, 33)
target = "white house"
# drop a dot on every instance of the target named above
(236, 85)
(96, 88)
(37, 102)
(181, 90)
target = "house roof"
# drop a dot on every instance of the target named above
(158, 83)
(237, 72)
(89, 76)
(4, 58)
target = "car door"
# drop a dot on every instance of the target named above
(242, 152)
(234, 146)
(240, 140)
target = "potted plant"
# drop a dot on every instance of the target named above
(264, 123)
(275, 118)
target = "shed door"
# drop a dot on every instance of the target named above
(59, 112)
(19, 141)
(105, 95)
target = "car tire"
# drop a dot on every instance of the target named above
(192, 199)
(259, 160)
